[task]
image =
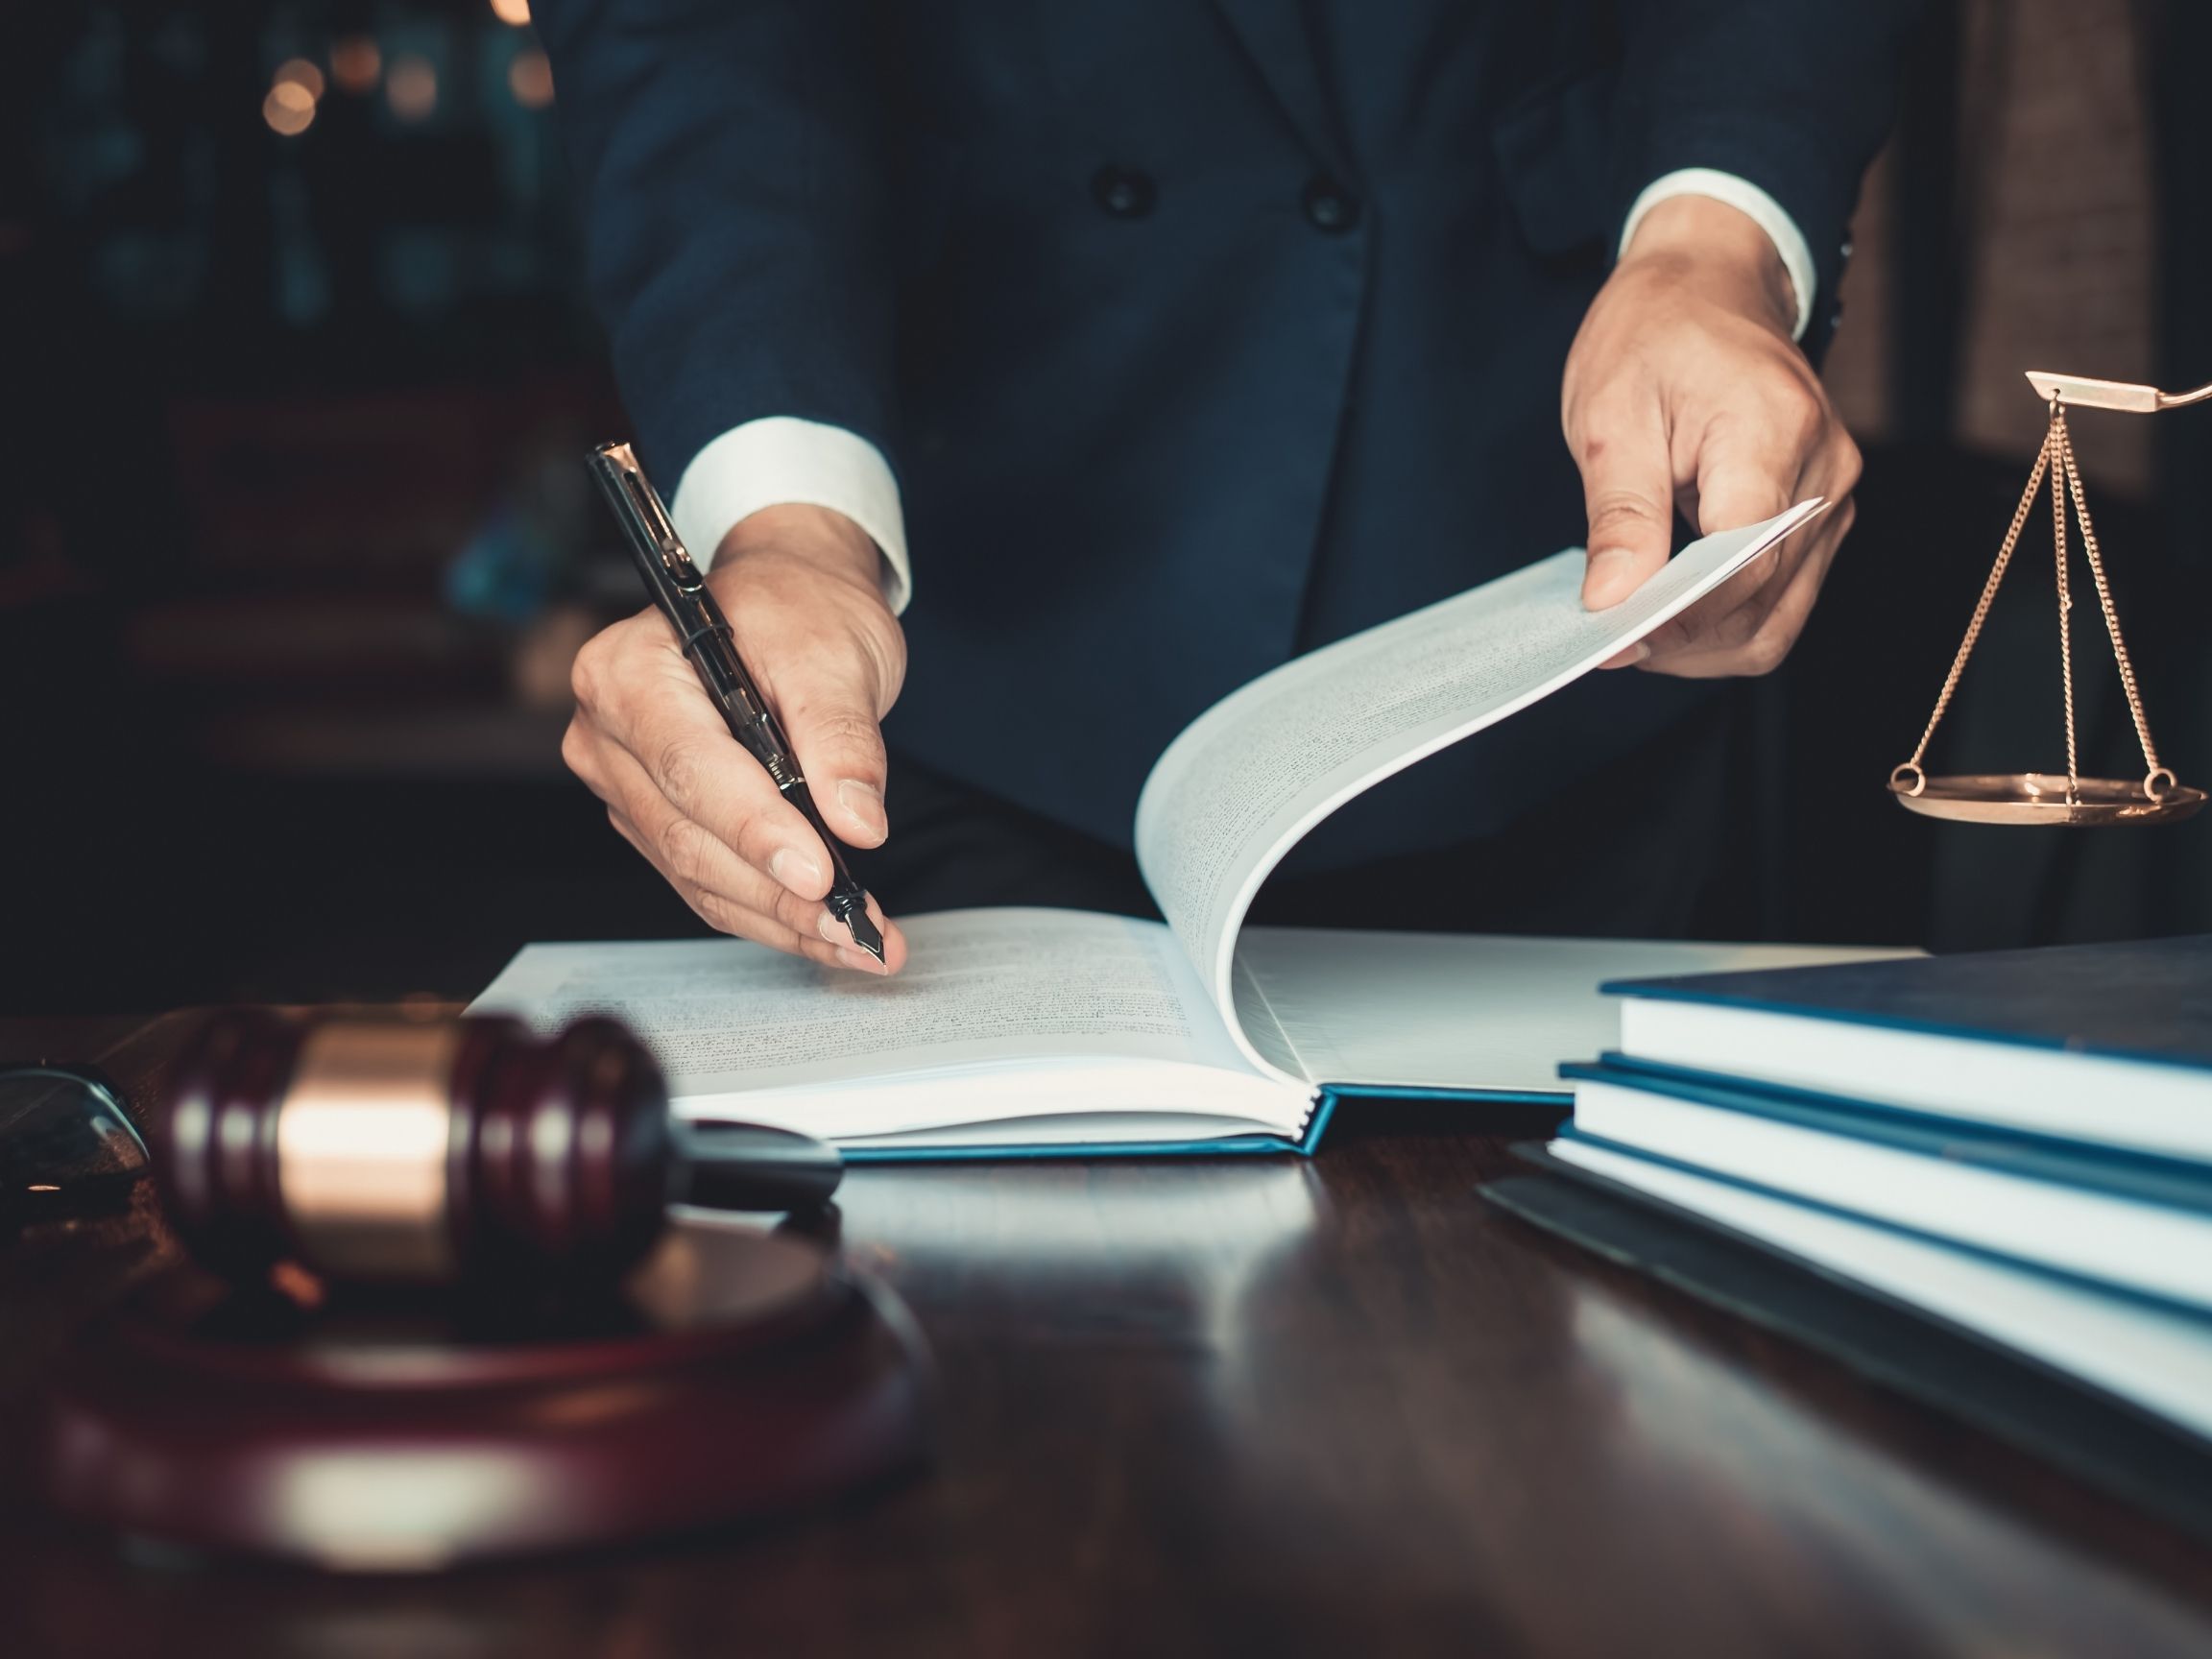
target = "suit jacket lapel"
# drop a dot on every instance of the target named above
(1275, 37)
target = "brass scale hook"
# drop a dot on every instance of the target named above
(2042, 797)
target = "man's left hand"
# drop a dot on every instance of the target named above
(1684, 390)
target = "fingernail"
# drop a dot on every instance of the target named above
(863, 804)
(831, 929)
(1640, 652)
(860, 959)
(796, 869)
(1610, 577)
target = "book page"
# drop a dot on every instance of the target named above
(1244, 781)
(1396, 1010)
(982, 989)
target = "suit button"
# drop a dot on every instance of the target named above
(1125, 192)
(1328, 206)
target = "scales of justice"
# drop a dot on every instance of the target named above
(2048, 797)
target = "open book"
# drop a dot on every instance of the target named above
(1037, 1030)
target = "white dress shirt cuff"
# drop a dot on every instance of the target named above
(783, 461)
(1746, 198)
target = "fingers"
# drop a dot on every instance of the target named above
(1683, 388)
(1628, 489)
(648, 742)
(830, 671)
(652, 711)
(727, 893)
(1776, 442)
(1754, 639)
(828, 713)
(1746, 472)
(751, 909)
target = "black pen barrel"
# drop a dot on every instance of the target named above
(680, 593)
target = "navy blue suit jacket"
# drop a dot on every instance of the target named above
(1198, 332)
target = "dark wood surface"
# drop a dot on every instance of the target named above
(1261, 1406)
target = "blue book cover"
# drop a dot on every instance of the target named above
(2147, 999)
(2121, 1172)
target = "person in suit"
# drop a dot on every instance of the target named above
(1051, 370)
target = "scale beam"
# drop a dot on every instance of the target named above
(2084, 393)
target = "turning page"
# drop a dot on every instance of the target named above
(1235, 791)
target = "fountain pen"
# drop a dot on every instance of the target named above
(679, 591)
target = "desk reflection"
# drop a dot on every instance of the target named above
(1692, 1427)
(1285, 1407)
(1164, 1251)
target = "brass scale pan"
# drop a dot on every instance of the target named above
(2040, 798)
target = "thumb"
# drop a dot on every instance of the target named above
(1628, 487)
(1742, 482)
(829, 714)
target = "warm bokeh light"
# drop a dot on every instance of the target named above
(298, 72)
(515, 12)
(288, 108)
(530, 78)
(411, 87)
(355, 62)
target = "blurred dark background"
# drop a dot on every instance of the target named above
(295, 374)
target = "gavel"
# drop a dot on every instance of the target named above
(449, 1152)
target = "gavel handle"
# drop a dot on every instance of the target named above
(750, 1167)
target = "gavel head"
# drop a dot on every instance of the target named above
(413, 1151)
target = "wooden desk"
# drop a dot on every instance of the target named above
(1263, 1407)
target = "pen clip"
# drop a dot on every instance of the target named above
(638, 503)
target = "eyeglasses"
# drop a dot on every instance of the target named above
(68, 1149)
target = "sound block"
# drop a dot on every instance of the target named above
(736, 1375)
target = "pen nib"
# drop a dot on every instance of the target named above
(864, 933)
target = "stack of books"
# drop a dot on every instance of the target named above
(2015, 1147)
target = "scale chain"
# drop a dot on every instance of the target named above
(2050, 442)
(1981, 606)
(2104, 597)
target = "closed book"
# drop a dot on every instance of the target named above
(2109, 1044)
(2132, 1222)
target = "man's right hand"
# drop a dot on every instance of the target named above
(802, 589)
